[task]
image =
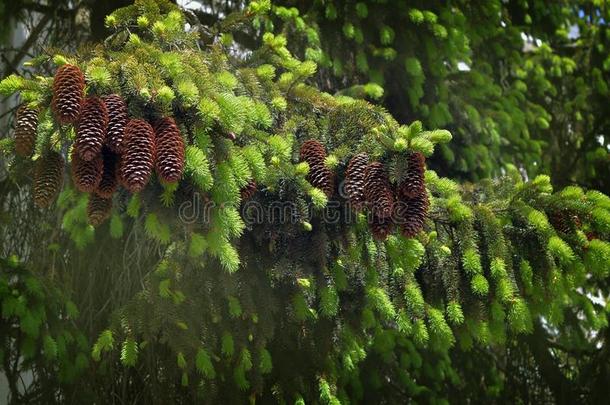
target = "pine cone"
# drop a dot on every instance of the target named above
(377, 190)
(564, 221)
(320, 176)
(137, 161)
(86, 174)
(576, 221)
(117, 119)
(98, 209)
(68, 89)
(380, 227)
(312, 151)
(354, 180)
(413, 183)
(169, 150)
(411, 214)
(48, 178)
(109, 181)
(91, 131)
(26, 124)
(248, 190)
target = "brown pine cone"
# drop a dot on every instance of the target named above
(169, 150)
(413, 183)
(248, 190)
(319, 176)
(411, 214)
(117, 119)
(380, 227)
(354, 180)
(26, 125)
(68, 91)
(377, 190)
(564, 221)
(312, 150)
(137, 160)
(48, 178)
(109, 181)
(91, 131)
(98, 209)
(86, 174)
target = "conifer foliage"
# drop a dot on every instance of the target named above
(306, 299)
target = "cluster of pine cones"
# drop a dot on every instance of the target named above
(110, 149)
(368, 186)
